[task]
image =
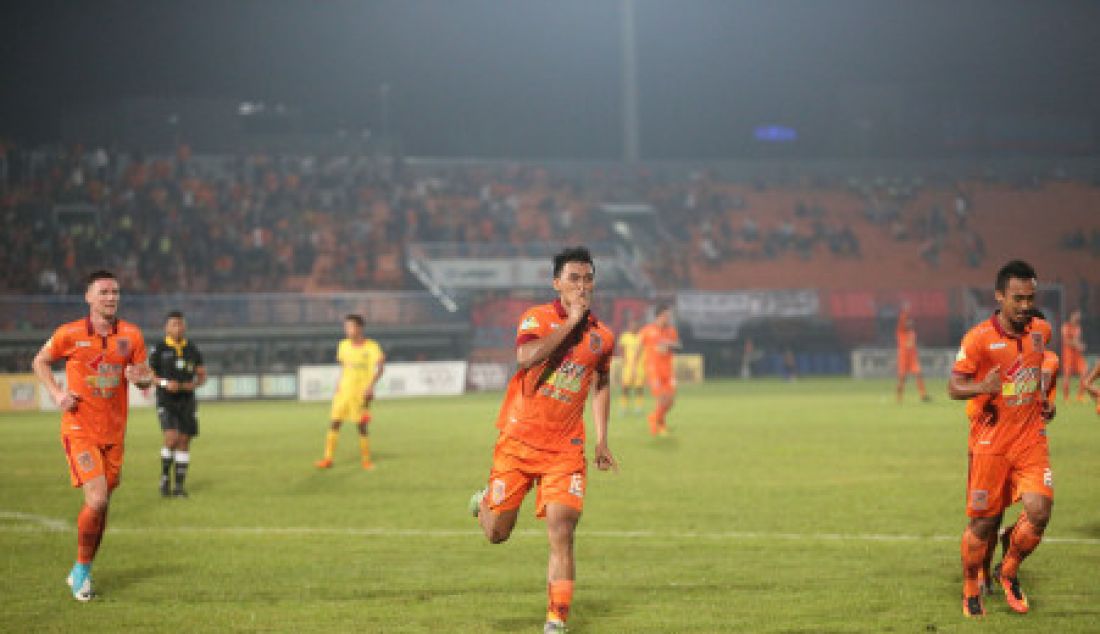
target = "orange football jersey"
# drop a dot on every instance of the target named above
(94, 367)
(658, 361)
(1011, 420)
(544, 404)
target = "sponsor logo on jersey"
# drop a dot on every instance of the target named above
(997, 346)
(529, 323)
(83, 344)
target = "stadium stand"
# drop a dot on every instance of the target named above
(259, 223)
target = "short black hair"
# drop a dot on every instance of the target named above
(572, 254)
(100, 274)
(1016, 269)
(358, 319)
(661, 307)
(175, 314)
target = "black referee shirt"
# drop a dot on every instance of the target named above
(174, 361)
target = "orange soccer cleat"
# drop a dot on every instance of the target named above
(368, 465)
(1014, 596)
(323, 463)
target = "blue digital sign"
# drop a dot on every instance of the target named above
(775, 134)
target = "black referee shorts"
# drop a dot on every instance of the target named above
(180, 417)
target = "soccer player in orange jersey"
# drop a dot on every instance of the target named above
(660, 341)
(102, 355)
(908, 357)
(1049, 386)
(1090, 388)
(1073, 355)
(999, 371)
(563, 352)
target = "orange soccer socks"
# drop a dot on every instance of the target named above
(973, 551)
(561, 596)
(1025, 538)
(89, 533)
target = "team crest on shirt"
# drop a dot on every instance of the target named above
(529, 323)
(122, 344)
(595, 342)
(979, 499)
(1037, 341)
(84, 461)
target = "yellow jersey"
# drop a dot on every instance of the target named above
(631, 345)
(358, 364)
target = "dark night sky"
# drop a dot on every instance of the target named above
(513, 77)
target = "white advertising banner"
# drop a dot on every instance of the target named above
(428, 378)
(881, 363)
(485, 377)
(720, 315)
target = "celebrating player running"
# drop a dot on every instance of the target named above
(562, 350)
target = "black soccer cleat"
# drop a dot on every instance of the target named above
(973, 608)
(165, 490)
(180, 492)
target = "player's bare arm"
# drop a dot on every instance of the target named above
(368, 394)
(962, 388)
(65, 400)
(601, 414)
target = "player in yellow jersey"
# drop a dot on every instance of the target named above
(633, 370)
(361, 364)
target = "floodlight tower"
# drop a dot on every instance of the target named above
(631, 146)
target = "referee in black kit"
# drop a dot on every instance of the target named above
(177, 364)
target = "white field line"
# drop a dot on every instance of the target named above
(38, 523)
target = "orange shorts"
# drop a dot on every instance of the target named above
(661, 385)
(517, 466)
(908, 363)
(1074, 363)
(996, 481)
(89, 460)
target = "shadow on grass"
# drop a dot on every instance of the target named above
(120, 579)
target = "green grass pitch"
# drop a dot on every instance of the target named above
(817, 506)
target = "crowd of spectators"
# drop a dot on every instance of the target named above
(263, 222)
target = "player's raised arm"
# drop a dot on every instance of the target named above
(534, 352)
(961, 387)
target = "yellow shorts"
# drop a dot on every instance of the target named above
(634, 379)
(350, 408)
